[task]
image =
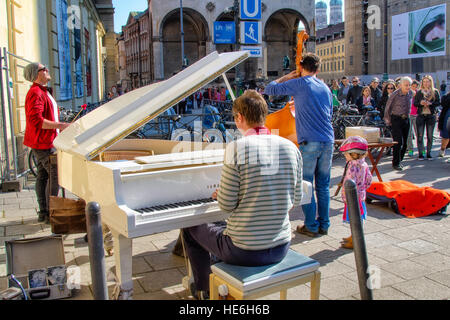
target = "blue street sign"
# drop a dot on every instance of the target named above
(251, 32)
(250, 10)
(255, 51)
(224, 32)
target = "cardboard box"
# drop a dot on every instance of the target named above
(371, 134)
(39, 265)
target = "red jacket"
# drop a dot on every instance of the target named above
(38, 107)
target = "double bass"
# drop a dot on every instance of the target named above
(284, 119)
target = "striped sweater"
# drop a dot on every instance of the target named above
(261, 181)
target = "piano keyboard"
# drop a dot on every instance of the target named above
(184, 207)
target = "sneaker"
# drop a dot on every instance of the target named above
(441, 153)
(421, 158)
(429, 157)
(305, 231)
(323, 232)
(398, 168)
(198, 294)
(410, 153)
(424, 154)
(347, 244)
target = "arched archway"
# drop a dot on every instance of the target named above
(196, 33)
(280, 35)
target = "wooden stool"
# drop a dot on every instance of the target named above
(255, 282)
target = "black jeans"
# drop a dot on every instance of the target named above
(43, 183)
(400, 131)
(422, 121)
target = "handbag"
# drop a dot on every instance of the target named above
(67, 215)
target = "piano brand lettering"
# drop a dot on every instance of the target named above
(190, 310)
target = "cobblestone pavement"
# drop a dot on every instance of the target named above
(413, 255)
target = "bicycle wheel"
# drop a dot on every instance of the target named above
(186, 135)
(32, 163)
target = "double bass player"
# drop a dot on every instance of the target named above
(315, 136)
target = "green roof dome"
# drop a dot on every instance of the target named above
(321, 5)
(336, 3)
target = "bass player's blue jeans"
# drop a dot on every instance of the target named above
(317, 157)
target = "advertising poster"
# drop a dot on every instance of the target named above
(65, 77)
(78, 66)
(420, 33)
(88, 64)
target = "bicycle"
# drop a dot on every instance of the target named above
(32, 163)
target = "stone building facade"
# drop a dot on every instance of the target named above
(138, 50)
(330, 47)
(321, 15)
(280, 22)
(32, 30)
(105, 11)
(336, 11)
(65, 35)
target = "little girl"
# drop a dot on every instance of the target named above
(355, 151)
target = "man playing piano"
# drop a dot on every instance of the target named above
(261, 181)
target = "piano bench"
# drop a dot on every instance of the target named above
(246, 283)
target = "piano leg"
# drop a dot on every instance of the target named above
(123, 255)
(187, 280)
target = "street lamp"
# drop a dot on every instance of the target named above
(234, 10)
(385, 75)
(182, 34)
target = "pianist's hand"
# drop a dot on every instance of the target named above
(214, 195)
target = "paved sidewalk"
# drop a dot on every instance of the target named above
(413, 255)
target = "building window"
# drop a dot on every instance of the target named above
(328, 51)
(342, 48)
(339, 49)
(351, 60)
(351, 39)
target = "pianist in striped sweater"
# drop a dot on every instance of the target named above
(261, 181)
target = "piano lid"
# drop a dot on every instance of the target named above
(113, 121)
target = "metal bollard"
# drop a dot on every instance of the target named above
(96, 251)
(359, 245)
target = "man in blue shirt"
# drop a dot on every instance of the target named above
(313, 112)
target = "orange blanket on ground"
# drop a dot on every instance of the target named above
(412, 201)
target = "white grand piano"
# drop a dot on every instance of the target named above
(170, 188)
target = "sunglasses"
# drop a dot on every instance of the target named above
(43, 69)
(355, 81)
(390, 88)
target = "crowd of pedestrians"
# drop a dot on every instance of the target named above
(410, 108)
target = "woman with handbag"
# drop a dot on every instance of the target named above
(426, 100)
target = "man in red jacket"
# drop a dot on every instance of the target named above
(42, 127)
